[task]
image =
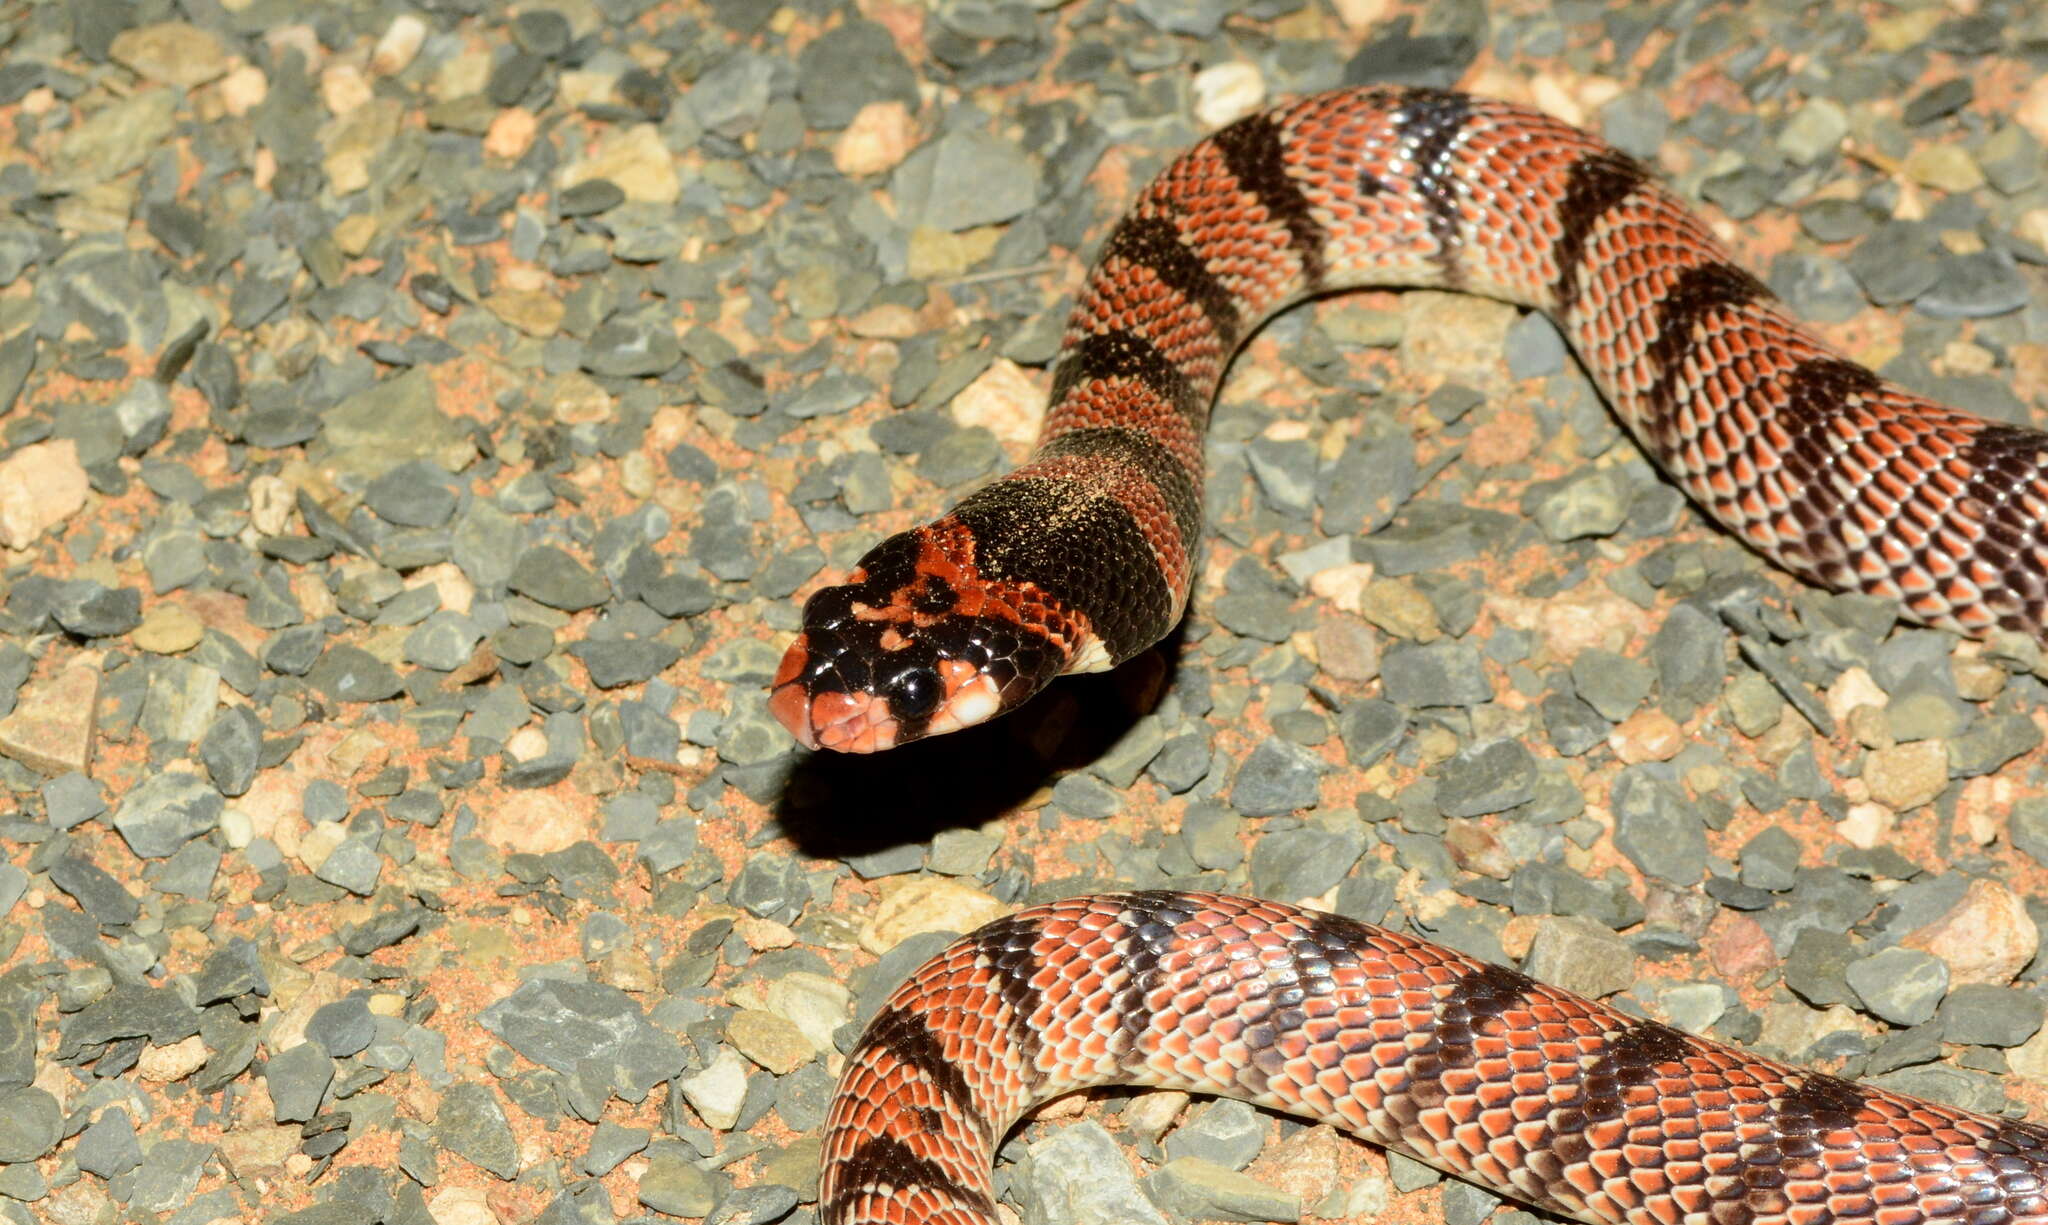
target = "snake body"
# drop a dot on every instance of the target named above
(1083, 557)
(1533, 1092)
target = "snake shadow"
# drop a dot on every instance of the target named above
(836, 805)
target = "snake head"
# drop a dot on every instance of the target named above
(912, 645)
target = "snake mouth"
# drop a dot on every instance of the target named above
(867, 721)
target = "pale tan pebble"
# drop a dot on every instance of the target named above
(526, 744)
(1647, 735)
(449, 582)
(461, 76)
(51, 728)
(358, 750)
(1343, 586)
(1306, 1165)
(918, 904)
(630, 970)
(399, 44)
(535, 312)
(1906, 776)
(511, 133)
(1553, 98)
(538, 822)
(637, 475)
(243, 89)
(1783, 738)
(1987, 937)
(270, 504)
(1870, 727)
(1227, 92)
(1476, 849)
(815, 1004)
(887, 321)
(2033, 225)
(1570, 627)
(343, 88)
(41, 486)
(39, 101)
(881, 135)
(1854, 688)
(1978, 679)
(761, 935)
(1152, 1112)
(347, 173)
(1898, 31)
(1346, 648)
(1456, 336)
(770, 1041)
(2032, 112)
(169, 629)
(1399, 607)
(1964, 357)
(462, 1206)
(319, 842)
(1005, 400)
(636, 162)
(2030, 1058)
(386, 1004)
(1435, 744)
(173, 52)
(938, 255)
(576, 88)
(1362, 16)
(165, 1064)
(1866, 825)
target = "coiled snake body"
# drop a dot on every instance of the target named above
(1083, 557)
(1534, 1092)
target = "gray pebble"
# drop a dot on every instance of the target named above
(31, 1123)
(1535, 349)
(109, 1147)
(165, 811)
(298, 1078)
(759, 1204)
(1983, 1014)
(343, 1027)
(1657, 828)
(1279, 777)
(548, 575)
(230, 748)
(472, 1125)
(1900, 985)
(1612, 684)
(1078, 1176)
(351, 674)
(1489, 778)
(96, 892)
(1303, 862)
(1437, 674)
(1572, 725)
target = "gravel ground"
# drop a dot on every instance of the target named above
(420, 426)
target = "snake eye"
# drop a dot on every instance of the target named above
(914, 693)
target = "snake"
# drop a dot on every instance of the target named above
(1533, 1092)
(1083, 557)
